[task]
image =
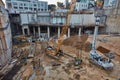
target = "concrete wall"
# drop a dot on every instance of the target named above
(113, 16)
(27, 18)
(5, 38)
(2, 4)
(110, 3)
(32, 18)
(58, 20)
(82, 19)
(44, 17)
(113, 24)
(24, 18)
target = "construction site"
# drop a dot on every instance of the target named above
(86, 56)
(34, 64)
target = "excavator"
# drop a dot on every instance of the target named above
(95, 57)
(55, 51)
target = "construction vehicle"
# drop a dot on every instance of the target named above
(95, 57)
(55, 50)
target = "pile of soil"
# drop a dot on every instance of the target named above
(79, 42)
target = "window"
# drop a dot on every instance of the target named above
(35, 5)
(41, 9)
(46, 7)
(24, 4)
(21, 7)
(30, 8)
(38, 9)
(82, 5)
(15, 7)
(39, 5)
(42, 4)
(26, 7)
(35, 9)
(84, 1)
(14, 3)
(30, 4)
(21, 4)
(45, 4)
(9, 5)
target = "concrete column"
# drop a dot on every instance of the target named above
(58, 32)
(48, 31)
(68, 32)
(39, 31)
(34, 31)
(23, 31)
(79, 33)
(28, 30)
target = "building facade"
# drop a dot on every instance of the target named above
(51, 23)
(17, 6)
(81, 4)
(5, 37)
(66, 4)
(110, 3)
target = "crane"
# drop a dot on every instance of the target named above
(95, 57)
(54, 51)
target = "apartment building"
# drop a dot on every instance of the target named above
(5, 36)
(17, 6)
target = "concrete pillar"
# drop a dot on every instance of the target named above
(68, 32)
(48, 31)
(58, 32)
(39, 31)
(34, 31)
(79, 33)
(28, 31)
(23, 31)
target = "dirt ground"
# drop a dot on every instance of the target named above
(86, 71)
(52, 69)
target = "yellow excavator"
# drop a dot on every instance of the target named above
(55, 50)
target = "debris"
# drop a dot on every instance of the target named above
(56, 64)
(47, 68)
(76, 76)
(110, 55)
(77, 62)
(103, 50)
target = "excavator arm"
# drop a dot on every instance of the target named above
(65, 27)
(53, 49)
